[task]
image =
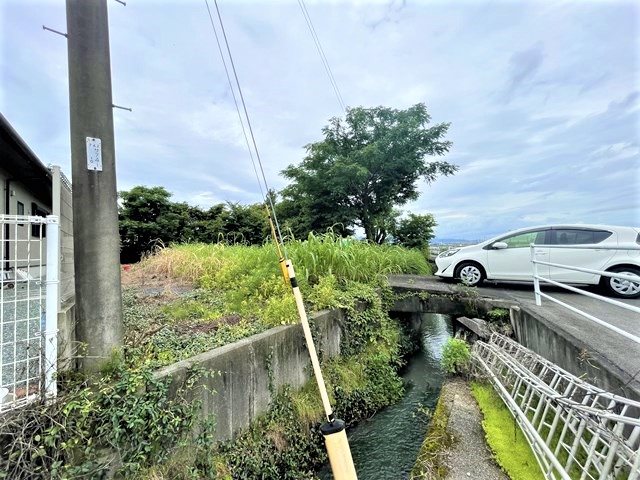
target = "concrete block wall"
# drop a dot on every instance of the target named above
(67, 345)
(238, 388)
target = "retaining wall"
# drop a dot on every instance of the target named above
(534, 332)
(238, 390)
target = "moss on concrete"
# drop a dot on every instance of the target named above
(429, 463)
(511, 450)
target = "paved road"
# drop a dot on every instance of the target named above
(620, 351)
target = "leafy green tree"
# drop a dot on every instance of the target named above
(414, 231)
(147, 218)
(367, 164)
(204, 225)
(244, 223)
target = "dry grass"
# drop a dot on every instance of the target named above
(182, 264)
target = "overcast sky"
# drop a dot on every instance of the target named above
(543, 97)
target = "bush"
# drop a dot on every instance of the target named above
(499, 315)
(123, 422)
(456, 356)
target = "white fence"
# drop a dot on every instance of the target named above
(576, 430)
(29, 248)
(537, 278)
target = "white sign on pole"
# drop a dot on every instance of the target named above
(94, 154)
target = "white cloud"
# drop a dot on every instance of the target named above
(560, 149)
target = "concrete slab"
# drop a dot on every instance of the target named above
(470, 457)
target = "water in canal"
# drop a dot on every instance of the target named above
(385, 446)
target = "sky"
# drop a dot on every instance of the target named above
(543, 97)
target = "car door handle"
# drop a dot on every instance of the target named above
(542, 253)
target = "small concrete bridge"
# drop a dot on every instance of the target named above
(566, 338)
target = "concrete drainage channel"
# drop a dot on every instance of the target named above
(529, 328)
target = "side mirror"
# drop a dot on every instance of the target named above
(499, 246)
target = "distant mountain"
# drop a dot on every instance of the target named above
(450, 241)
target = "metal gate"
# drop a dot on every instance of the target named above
(29, 248)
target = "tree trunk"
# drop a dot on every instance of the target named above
(369, 230)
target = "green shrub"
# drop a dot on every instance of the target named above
(456, 356)
(123, 422)
(500, 315)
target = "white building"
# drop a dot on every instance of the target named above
(28, 187)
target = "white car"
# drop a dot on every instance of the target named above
(508, 257)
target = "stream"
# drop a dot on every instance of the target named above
(385, 446)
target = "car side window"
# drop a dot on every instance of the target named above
(525, 239)
(600, 235)
(576, 236)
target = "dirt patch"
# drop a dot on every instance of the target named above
(154, 289)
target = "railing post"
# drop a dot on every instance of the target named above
(51, 307)
(536, 282)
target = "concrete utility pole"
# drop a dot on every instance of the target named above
(95, 212)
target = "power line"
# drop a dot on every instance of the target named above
(235, 101)
(323, 57)
(246, 114)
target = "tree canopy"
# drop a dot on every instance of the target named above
(148, 217)
(367, 164)
(414, 231)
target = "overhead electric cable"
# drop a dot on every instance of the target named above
(253, 139)
(235, 101)
(323, 57)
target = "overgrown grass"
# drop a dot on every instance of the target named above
(219, 265)
(512, 452)
(239, 290)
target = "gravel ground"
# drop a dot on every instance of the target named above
(469, 457)
(20, 322)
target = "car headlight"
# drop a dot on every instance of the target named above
(448, 253)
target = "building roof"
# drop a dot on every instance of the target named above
(22, 164)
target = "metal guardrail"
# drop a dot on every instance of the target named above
(576, 430)
(537, 278)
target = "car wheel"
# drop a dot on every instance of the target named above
(471, 274)
(622, 288)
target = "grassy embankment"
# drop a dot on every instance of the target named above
(239, 291)
(236, 291)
